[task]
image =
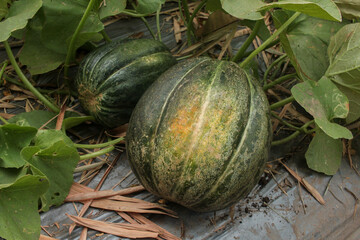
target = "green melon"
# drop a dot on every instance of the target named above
(111, 79)
(200, 135)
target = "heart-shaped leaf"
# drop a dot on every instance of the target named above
(325, 102)
(57, 162)
(19, 218)
(324, 153)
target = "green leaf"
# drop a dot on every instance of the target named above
(13, 138)
(243, 9)
(57, 162)
(344, 69)
(354, 103)
(324, 153)
(325, 102)
(306, 42)
(48, 34)
(19, 218)
(19, 14)
(35, 119)
(111, 8)
(350, 9)
(46, 138)
(9, 175)
(148, 6)
(325, 9)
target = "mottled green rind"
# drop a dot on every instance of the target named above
(112, 78)
(200, 135)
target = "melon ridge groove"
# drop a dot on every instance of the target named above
(220, 179)
(162, 116)
(197, 127)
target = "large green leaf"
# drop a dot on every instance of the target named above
(325, 9)
(324, 153)
(48, 34)
(325, 102)
(306, 42)
(243, 9)
(57, 162)
(111, 7)
(17, 17)
(350, 9)
(35, 119)
(12, 139)
(148, 6)
(344, 69)
(19, 218)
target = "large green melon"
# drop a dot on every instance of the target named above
(111, 79)
(200, 135)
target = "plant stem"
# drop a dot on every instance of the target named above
(4, 120)
(105, 36)
(269, 40)
(273, 64)
(71, 50)
(89, 166)
(279, 80)
(190, 27)
(26, 81)
(240, 54)
(295, 134)
(285, 122)
(145, 22)
(282, 103)
(285, 140)
(158, 23)
(2, 71)
(187, 17)
(97, 153)
(133, 13)
(100, 145)
(46, 91)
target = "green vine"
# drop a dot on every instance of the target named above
(240, 53)
(71, 50)
(97, 153)
(26, 82)
(100, 145)
(272, 65)
(269, 40)
(279, 80)
(282, 103)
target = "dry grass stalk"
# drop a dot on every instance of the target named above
(177, 32)
(162, 232)
(43, 237)
(117, 229)
(307, 185)
(7, 115)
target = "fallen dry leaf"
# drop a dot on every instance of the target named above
(307, 185)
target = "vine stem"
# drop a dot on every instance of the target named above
(145, 22)
(26, 82)
(133, 13)
(105, 36)
(100, 145)
(273, 64)
(4, 120)
(190, 27)
(158, 23)
(2, 71)
(71, 50)
(97, 153)
(282, 103)
(240, 53)
(279, 80)
(295, 134)
(269, 40)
